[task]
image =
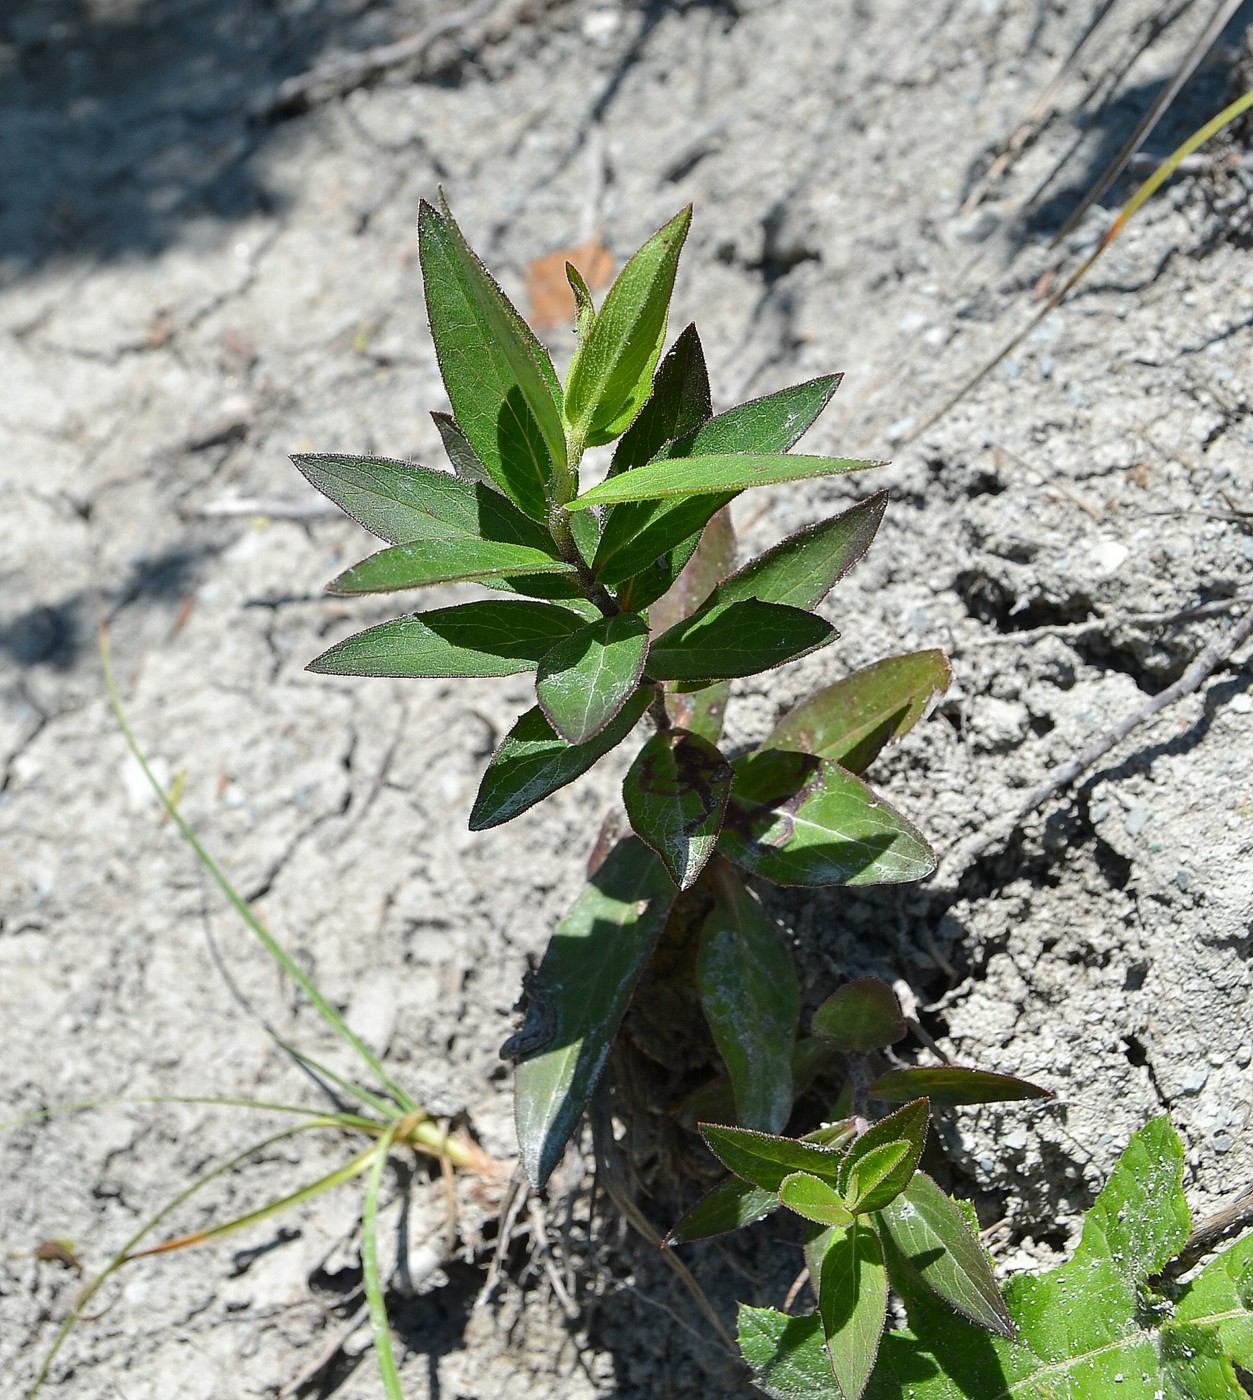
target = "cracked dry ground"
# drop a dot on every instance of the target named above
(187, 297)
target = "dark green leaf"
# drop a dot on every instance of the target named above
(802, 569)
(726, 472)
(788, 1355)
(452, 559)
(532, 762)
(765, 1160)
(729, 1206)
(736, 639)
(487, 638)
(612, 366)
(908, 1124)
(853, 1303)
(850, 721)
(751, 998)
(678, 403)
(950, 1084)
(712, 561)
(463, 457)
(833, 831)
(585, 680)
(401, 502)
(675, 793)
(588, 974)
(861, 1016)
(647, 538)
(504, 394)
(931, 1232)
(814, 1200)
(878, 1176)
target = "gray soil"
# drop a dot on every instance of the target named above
(188, 295)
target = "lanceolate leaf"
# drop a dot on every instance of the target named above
(587, 976)
(641, 535)
(487, 638)
(451, 559)
(463, 457)
(585, 680)
(504, 394)
(878, 1176)
(803, 569)
(400, 501)
(731, 1204)
(851, 721)
(909, 1125)
(832, 831)
(861, 1016)
(751, 998)
(609, 376)
(951, 1084)
(729, 472)
(533, 761)
(736, 639)
(764, 1160)
(675, 793)
(679, 402)
(930, 1231)
(852, 1292)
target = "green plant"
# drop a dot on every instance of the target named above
(1103, 1326)
(627, 604)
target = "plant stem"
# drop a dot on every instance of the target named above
(565, 488)
(657, 711)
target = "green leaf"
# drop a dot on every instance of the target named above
(951, 1084)
(751, 999)
(909, 1125)
(584, 306)
(813, 1199)
(452, 559)
(533, 761)
(689, 476)
(802, 569)
(675, 793)
(585, 680)
(787, 1355)
(861, 1016)
(1091, 1328)
(931, 1232)
(765, 1160)
(463, 457)
(645, 541)
(1221, 1296)
(679, 402)
(736, 639)
(488, 638)
(609, 375)
(833, 830)
(851, 721)
(504, 394)
(712, 561)
(588, 974)
(852, 1290)
(401, 502)
(731, 1205)
(878, 1176)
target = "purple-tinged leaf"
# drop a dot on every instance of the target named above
(675, 793)
(951, 1084)
(765, 1160)
(861, 1016)
(731, 1205)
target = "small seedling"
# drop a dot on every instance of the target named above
(624, 600)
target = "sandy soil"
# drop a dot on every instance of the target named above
(188, 295)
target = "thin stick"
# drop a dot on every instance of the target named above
(958, 861)
(341, 75)
(1210, 1233)
(1104, 624)
(271, 508)
(324, 1358)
